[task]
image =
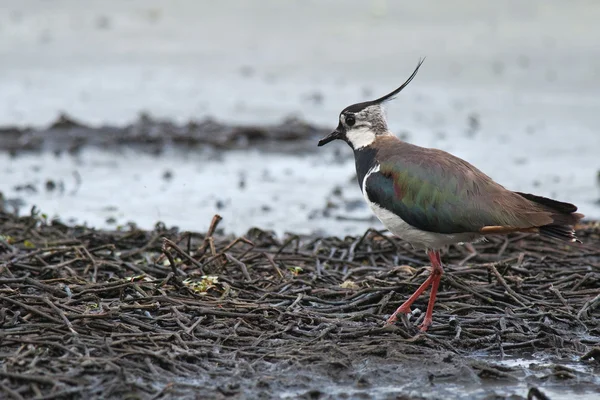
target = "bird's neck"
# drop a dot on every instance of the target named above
(365, 158)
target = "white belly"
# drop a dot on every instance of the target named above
(418, 238)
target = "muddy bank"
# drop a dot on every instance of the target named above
(90, 313)
(150, 134)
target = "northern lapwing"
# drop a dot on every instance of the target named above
(432, 199)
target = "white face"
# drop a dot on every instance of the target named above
(360, 137)
(362, 127)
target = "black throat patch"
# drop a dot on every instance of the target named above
(365, 158)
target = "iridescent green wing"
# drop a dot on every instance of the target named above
(440, 194)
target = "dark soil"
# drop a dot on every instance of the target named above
(167, 314)
(153, 135)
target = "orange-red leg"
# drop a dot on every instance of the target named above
(434, 280)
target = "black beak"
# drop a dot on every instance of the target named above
(331, 137)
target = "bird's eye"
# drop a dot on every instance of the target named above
(350, 120)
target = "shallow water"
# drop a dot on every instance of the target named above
(306, 193)
(184, 190)
(529, 368)
(378, 379)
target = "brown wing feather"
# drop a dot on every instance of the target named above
(506, 211)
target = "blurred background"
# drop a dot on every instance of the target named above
(510, 86)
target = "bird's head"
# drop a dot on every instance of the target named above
(360, 123)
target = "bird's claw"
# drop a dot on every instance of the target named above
(394, 317)
(426, 324)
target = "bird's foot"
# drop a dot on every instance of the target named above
(426, 324)
(403, 309)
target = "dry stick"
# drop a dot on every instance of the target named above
(381, 235)
(560, 296)
(189, 238)
(272, 262)
(47, 288)
(29, 377)
(8, 246)
(94, 263)
(194, 325)
(292, 238)
(522, 302)
(319, 268)
(241, 265)
(295, 303)
(36, 390)
(103, 315)
(61, 314)
(109, 246)
(589, 305)
(211, 245)
(99, 288)
(15, 395)
(164, 281)
(211, 230)
(59, 265)
(468, 289)
(31, 309)
(9, 281)
(582, 280)
(216, 255)
(174, 269)
(189, 241)
(467, 258)
(169, 243)
(234, 242)
(134, 252)
(67, 393)
(503, 247)
(36, 252)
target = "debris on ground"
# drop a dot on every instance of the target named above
(169, 314)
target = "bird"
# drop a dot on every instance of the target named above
(433, 199)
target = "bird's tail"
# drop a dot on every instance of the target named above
(560, 232)
(564, 218)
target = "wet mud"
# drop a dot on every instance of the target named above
(171, 314)
(154, 135)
